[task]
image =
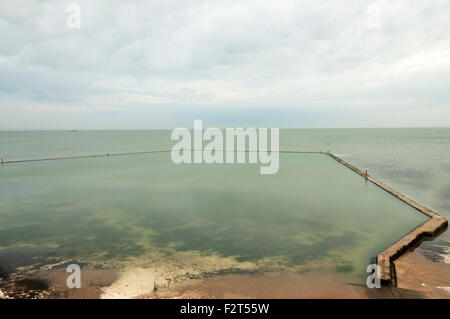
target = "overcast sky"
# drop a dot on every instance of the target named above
(162, 64)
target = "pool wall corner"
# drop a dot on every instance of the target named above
(428, 230)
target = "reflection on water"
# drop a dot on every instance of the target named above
(314, 213)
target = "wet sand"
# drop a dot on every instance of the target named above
(418, 273)
(417, 276)
(285, 285)
(314, 285)
(52, 285)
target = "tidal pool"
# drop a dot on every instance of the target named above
(198, 219)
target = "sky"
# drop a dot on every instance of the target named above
(161, 64)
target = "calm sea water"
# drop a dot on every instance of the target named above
(314, 213)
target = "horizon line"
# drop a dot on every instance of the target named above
(166, 129)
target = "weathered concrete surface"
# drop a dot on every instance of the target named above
(431, 228)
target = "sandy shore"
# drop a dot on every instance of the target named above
(315, 285)
(418, 277)
(418, 273)
(140, 283)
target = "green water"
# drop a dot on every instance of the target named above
(314, 212)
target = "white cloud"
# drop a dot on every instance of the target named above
(181, 57)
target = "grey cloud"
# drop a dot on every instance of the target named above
(229, 57)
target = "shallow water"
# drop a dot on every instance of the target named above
(414, 161)
(314, 213)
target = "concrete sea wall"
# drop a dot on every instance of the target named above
(431, 228)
